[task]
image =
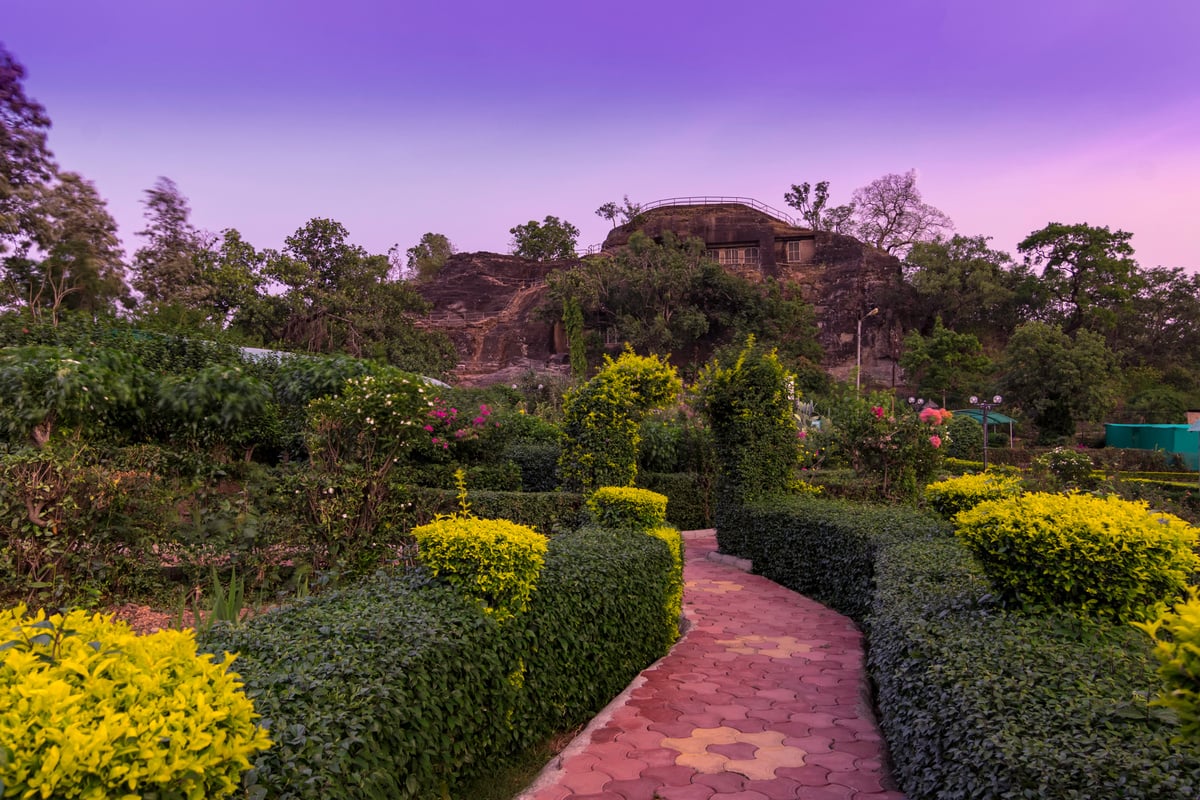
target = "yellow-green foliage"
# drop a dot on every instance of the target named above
(1179, 655)
(628, 508)
(89, 709)
(492, 560)
(953, 495)
(674, 600)
(1087, 555)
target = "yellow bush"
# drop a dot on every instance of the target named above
(674, 600)
(627, 508)
(1178, 654)
(953, 495)
(1088, 555)
(89, 709)
(492, 560)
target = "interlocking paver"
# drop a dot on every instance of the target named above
(764, 698)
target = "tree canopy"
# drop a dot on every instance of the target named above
(549, 240)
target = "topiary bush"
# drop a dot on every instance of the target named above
(90, 709)
(1065, 467)
(673, 601)
(627, 508)
(689, 497)
(493, 560)
(1176, 635)
(1083, 554)
(965, 438)
(952, 495)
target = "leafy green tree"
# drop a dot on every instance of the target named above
(166, 265)
(26, 164)
(890, 214)
(627, 211)
(944, 362)
(549, 240)
(427, 257)
(1058, 380)
(973, 288)
(573, 324)
(334, 297)
(1088, 272)
(810, 201)
(1160, 326)
(73, 259)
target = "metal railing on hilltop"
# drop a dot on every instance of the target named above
(709, 200)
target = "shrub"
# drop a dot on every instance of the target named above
(89, 709)
(950, 496)
(537, 462)
(627, 508)
(689, 497)
(1083, 554)
(966, 438)
(974, 701)
(673, 601)
(748, 402)
(1066, 467)
(387, 681)
(493, 560)
(600, 429)
(1178, 653)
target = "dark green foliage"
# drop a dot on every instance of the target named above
(966, 438)
(689, 497)
(545, 512)
(537, 462)
(407, 687)
(974, 701)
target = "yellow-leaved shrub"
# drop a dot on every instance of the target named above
(627, 508)
(493, 560)
(89, 709)
(1177, 645)
(952, 495)
(1086, 555)
(674, 600)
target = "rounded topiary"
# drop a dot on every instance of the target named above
(628, 508)
(950, 496)
(1086, 555)
(966, 438)
(493, 560)
(90, 709)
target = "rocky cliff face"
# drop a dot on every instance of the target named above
(487, 302)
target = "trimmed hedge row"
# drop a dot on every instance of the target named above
(545, 512)
(975, 701)
(689, 497)
(400, 686)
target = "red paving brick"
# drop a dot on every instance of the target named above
(764, 698)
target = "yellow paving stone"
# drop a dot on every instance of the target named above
(771, 646)
(771, 753)
(713, 587)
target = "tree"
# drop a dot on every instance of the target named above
(627, 211)
(1058, 380)
(944, 362)
(427, 257)
(890, 214)
(26, 164)
(973, 288)
(546, 241)
(1088, 271)
(810, 202)
(166, 265)
(1161, 323)
(80, 266)
(334, 297)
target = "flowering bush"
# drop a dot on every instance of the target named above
(1087, 555)
(1065, 467)
(88, 709)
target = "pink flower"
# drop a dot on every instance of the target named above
(877, 411)
(930, 415)
(935, 440)
(429, 429)
(802, 435)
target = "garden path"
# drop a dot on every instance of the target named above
(764, 697)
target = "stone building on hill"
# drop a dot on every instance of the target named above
(487, 302)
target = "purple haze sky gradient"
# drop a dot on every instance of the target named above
(467, 117)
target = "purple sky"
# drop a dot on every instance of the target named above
(467, 117)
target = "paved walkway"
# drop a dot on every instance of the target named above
(764, 697)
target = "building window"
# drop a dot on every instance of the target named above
(793, 252)
(733, 256)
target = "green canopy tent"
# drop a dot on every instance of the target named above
(993, 418)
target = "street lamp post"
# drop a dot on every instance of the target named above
(986, 406)
(858, 353)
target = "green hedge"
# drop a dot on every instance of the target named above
(689, 497)
(975, 701)
(545, 512)
(400, 686)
